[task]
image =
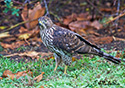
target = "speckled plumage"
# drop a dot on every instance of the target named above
(65, 43)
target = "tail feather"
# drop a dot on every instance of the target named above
(106, 56)
(111, 58)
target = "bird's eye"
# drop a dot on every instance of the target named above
(39, 23)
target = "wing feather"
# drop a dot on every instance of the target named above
(71, 42)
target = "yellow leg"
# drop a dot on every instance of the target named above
(56, 67)
(65, 69)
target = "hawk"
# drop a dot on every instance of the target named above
(65, 43)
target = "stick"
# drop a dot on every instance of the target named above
(95, 7)
(115, 18)
(21, 24)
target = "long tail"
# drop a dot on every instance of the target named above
(106, 56)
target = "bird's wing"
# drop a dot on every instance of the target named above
(69, 41)
(87, 42)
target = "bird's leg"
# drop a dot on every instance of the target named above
(58, 61)
(56, 66)
(65, 69)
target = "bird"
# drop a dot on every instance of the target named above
(65, 43)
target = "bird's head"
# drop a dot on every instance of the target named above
(45, 22)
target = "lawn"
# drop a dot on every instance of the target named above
(88, 72)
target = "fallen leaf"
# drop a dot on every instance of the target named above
(23, 73)
(106, 9)
(9, 39)
(82, 16)
(6, 72)
(118, 55)
(24, 13)
(24, 36)
(118, 39)
(4, 35)
(102, 40)
(96, 25)
(9, 74)
(79, 26)
(39, 77)
(13, 45)
(41, 86)
(37, 39)
(22, 29)
(28, 34)
(69, 18)
(5, 45)
(33, 55)
(74, 59)
(1, 78)
(94, 33)
(30, 54)
(3, 27)
(37, 12)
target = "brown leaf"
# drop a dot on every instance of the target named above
(106, 9)
(22, 29)
(94, 33)
(30, 54)
(8, 73)
(4, 35)
(23, 73)
(39, 77)
(118, 55)
(19, 74)
(25, 13)
(41, 86)
(82, 16)
(9, 39)
(13, 45)
(79, 25)
(24, 36)
(5, 45)
(103, 40)
(28, 34)
(69, 19)
(74, 59)
(37, 12)
(37, 39)
(96, 25)
(1, 78)
(24, 16)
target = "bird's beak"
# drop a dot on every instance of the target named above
(40, 23)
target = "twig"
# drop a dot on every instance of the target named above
(94, 7)
(120, 39)
(116, 21)
(56, 16)
(21, 24)
(115, 18)
(47, 11)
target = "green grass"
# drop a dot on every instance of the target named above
(87, 72)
